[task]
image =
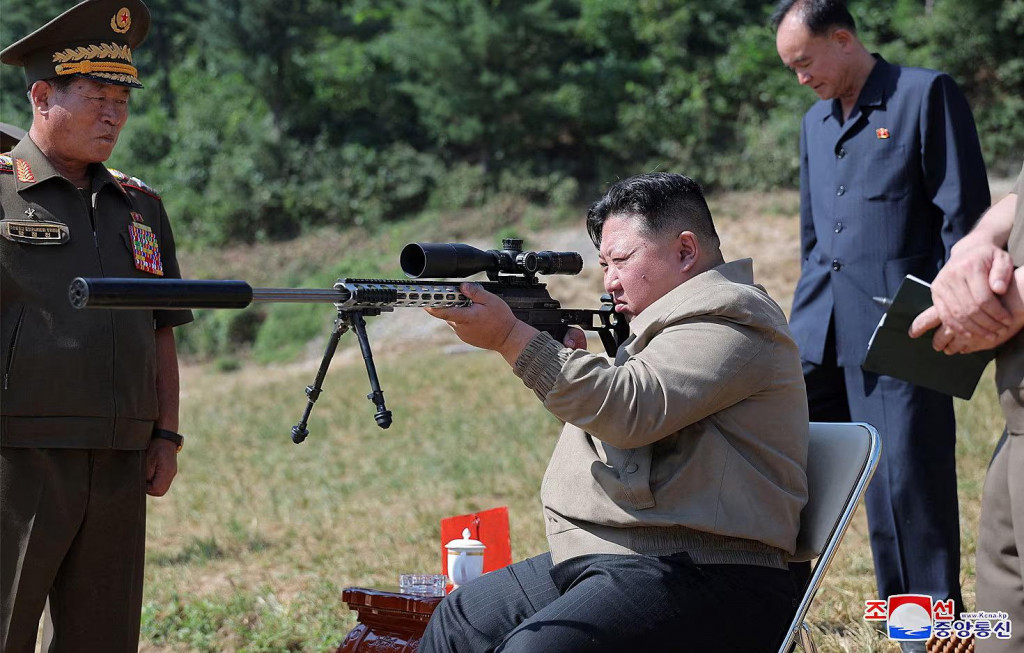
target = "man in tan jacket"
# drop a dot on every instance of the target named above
(674, 492)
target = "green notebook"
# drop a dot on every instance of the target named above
(894, 353)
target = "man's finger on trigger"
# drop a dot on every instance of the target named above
(474, 291)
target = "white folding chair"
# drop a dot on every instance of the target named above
(841, 458)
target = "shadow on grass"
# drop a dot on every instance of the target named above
(199, 550)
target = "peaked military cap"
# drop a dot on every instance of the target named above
(93, 39)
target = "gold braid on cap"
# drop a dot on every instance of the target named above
(91, 67)
(75, 61)
(101, 51)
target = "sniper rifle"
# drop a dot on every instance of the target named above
(511, 272)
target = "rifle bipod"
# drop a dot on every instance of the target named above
(345, 321)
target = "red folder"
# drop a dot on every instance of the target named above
(488, 526)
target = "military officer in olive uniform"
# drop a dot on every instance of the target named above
(88, 399)
(978, 305)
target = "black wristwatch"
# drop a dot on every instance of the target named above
(176, 438)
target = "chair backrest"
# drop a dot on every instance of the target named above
(841, 458)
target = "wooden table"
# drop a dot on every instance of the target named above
(389, 621)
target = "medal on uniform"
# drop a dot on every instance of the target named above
(145, 249)
(32, 230)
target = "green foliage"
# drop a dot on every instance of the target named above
(18, 19)
(262, 120)
(978, 43)
(220, 332)
(484, 76)
(288, 328)
(464, 185)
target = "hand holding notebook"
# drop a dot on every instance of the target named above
(893, 352)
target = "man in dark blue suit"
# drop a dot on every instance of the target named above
(891, 176)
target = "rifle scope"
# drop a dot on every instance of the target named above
(455, 260)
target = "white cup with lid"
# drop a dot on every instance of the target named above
(465, 559)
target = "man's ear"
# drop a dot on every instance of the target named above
(689, 250)
(41, 94)
(843, 38)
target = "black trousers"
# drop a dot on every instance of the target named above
(616, 603)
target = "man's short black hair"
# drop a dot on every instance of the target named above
(820, 16)
(663, 203)
(61, 83)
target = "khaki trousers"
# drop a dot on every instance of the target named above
(1000, 572)
(72, 529)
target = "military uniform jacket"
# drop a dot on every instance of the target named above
(883, 195)
(76, 378)
(1010, 360)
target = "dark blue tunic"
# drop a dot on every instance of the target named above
(884, 195)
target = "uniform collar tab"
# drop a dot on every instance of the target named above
(30, 164)
(32, 167)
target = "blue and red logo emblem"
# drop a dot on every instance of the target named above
(909, 617)
(916, 617)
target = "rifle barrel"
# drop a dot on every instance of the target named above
(109, 292)
(346, 295)
(297, 295)
(385, 294)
